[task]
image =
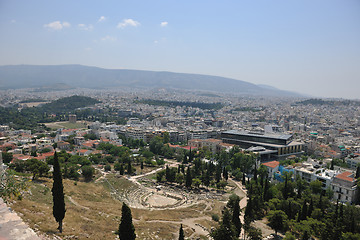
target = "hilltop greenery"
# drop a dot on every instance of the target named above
(33, 100)
(67, 104)
(29, 118)
(317, 101)
(201, 105)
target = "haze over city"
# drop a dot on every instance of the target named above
(311, 47)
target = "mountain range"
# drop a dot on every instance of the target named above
(47, 77)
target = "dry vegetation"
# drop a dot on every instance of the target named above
(93, 213)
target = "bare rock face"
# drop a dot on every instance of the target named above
(12, 226)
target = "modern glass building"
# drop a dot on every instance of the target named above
(280, 145)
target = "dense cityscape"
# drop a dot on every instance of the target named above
(182, 149)
(174, 120)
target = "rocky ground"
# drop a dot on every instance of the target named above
(12, 226)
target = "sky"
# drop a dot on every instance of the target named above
(311, 47)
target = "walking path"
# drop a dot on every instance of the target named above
(12, 226)
(243, 201)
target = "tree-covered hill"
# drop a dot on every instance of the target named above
(317, 101)
(67, 104)
(29, 118)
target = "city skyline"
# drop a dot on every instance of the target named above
(307, 47)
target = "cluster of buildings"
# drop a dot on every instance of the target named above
(275, 128)
(341, 182)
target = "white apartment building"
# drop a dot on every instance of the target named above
(345, 187)
(309, 173)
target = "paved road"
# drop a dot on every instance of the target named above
(12, 226)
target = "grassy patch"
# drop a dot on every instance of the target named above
(73, 125)
(92, 213)
(57, 125)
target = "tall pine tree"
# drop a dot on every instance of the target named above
(236, 217)
(181, 233)
(188, 180)
(58, 194)
(126, 227)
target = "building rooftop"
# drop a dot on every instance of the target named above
(272, 164)
(265, 135)
(347, 176)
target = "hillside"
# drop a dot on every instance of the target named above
(28, 118)
(31, 76)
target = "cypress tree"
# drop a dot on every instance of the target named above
(311, 208)
(352, 224)
(249, 212)
(266, 190)
(304, 211)
(121, 169)
(255, 174)
(289, 211)
(181, 233)
(236, 217)
(226, 230)
(126, 227)
(218, 173)
(332, 165)
(188, 181)
(299, 216)
(185, 159)
(225, 174)
(58, 194)
(285, 190)
(129, 168)
(206, 178)
(167, 173)
(190, 156)
(336, 212)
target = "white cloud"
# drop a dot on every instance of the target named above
(86, 27)
(164, 24)
(66, 24)
(13, 21)
(128, 22)
(57, 25)
(108, 38)
(88, 49)
(102, 19)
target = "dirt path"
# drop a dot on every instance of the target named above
(244, 199)
(188, 222)
(172, 164)
(76, 204)
(198, 229)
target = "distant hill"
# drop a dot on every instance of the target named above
(40, 77)
(337, 102)
(68, 104)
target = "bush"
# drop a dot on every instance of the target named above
(107, 168)
(88, 172)
(215, 217)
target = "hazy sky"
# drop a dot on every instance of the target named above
(312, 47)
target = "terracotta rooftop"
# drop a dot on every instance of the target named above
(272, 164)
(346, 176)
(43, 156)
